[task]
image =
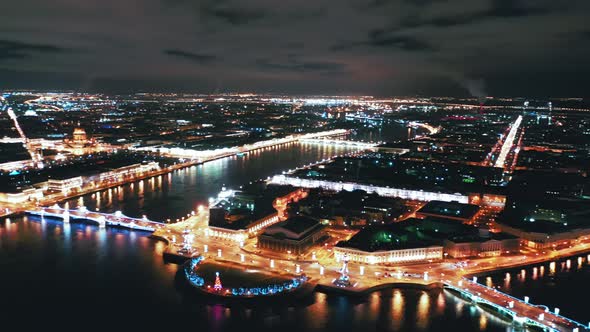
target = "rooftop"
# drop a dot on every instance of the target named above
(383, 238)
(450, 209)
(294, 228)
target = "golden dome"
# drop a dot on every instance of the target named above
(79, 131)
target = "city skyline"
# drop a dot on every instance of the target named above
(382, 48)
(325, 166)
(259, 200)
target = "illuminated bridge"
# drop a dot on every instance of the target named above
(101, 219)
(522, 312)
(338, 142)
(208, 155)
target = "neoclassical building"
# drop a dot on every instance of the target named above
(294, 235)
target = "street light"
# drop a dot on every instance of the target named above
(272, 263)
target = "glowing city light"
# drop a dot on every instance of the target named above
(508, 142)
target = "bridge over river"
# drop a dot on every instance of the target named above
(116, 219)
(522, 312)
(339, 142)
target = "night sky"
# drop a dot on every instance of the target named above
(534, 48)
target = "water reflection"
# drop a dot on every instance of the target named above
(440, 303)
(483, 322)
(397, 302)
(67, 236)
(423, 310)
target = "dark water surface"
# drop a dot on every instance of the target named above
(59, 274)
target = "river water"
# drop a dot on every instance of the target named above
(77, 276)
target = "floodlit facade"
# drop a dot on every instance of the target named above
(240, 235)
(409, 255)
(122, 173)
(64, 185)
(22, 196)
(491, 247)
(382, 191)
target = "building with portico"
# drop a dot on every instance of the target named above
(294, 235)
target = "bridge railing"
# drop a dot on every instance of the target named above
(586, 327)
(116, 214)
(500, 307)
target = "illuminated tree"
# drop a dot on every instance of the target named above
(217, 285)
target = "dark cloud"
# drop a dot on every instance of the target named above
(222, 11)
(495, 47)
(235, 16)
(498, 9)
(20, 50)
(383, 39)
(199, 58)
(408, 43)
(416, 3)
